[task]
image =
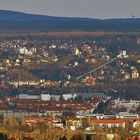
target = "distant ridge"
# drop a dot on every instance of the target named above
(14, 15)
(18, 20)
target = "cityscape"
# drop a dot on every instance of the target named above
(61, 79)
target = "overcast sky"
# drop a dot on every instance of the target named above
(76, 8)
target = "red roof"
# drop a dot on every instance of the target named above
(3, 106)
(34, 105)
(116, 121)
(31, 119)
(24, 101)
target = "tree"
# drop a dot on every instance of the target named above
(138, 109)
(88, 137)
(77, 137)
(64, 138)
(3, 137)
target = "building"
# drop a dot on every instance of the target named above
(27, 96)
(69, 96)
(109, 123)
(91, 95)
(138, 41)
(135, 73)
(128, 104)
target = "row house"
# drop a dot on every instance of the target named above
(109, 123)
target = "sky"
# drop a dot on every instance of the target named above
(101, 9)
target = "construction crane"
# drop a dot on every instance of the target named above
(132, 16)
(121, 55)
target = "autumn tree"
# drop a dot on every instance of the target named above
(77, 137)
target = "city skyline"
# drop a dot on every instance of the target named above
(101, 9)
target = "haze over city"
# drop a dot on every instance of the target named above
(101, 9)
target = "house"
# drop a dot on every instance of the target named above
(127, 75)
(127, 115)
(136, 124)
(138, 41)
(76, 51)
(108, 123)
(25, 51)
(135, 73)
(74, 123)
(26, 96)
(31, 120)
(89, 80)
(91, 95)
(128, 104)
(69, 96)
(45, 97)
(3, 106)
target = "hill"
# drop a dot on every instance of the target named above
(18, 20)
